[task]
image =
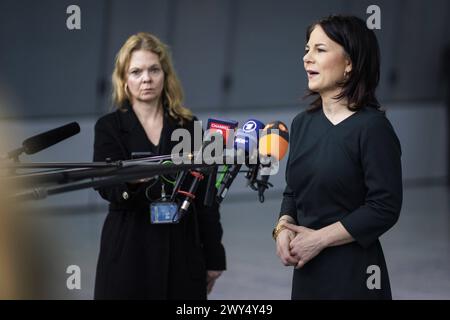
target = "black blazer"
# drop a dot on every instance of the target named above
(139, 260)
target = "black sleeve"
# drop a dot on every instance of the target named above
(381, 162)
(209, 226)
(288, 206)
(210, 230)
(107, 145)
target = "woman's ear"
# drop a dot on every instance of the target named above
(348, 65)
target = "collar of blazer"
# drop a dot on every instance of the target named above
(128, 122)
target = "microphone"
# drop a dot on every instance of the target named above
(190, 195)
(246, 150)
(224, 127)
(274, 141)
(210, 187)
(247, 139)
(44, 140)
(273, 146)
(197, 175)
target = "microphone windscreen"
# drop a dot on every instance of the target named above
(49, 138)
(247, 138)
(274, 140)
(222, 126)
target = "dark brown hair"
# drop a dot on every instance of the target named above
(361, 46)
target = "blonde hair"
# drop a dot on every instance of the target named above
(172, 92)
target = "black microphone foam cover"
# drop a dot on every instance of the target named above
(49, 138)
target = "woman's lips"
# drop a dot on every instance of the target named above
(312, 74)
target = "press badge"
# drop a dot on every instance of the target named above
(164, 212)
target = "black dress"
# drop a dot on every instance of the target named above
(140, 260)
(349, 172)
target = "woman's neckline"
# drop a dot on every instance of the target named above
(340, 122)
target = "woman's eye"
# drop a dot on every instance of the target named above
(320, 50)
(135, 72)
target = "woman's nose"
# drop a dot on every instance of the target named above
(146, 76)
(307, 57)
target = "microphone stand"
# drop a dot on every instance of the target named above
(100, 174)
(69, 165)
(74, 171)
(59, 176)
(60, 165)
(122, 175)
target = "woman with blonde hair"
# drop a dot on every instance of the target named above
(139, 257)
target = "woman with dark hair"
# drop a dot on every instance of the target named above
(343, 176)
(141, 258)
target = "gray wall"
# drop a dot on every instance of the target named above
(50, 76)
(50, 72)
(257, 45)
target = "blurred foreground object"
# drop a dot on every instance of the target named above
(24, 253)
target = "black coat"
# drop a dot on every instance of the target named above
(140, 260)
(349, 172)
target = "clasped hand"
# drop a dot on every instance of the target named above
(296, 245)
(211, 278)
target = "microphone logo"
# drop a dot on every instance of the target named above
(249, 126)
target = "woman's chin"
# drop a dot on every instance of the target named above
(313, 88)
(148, 98)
